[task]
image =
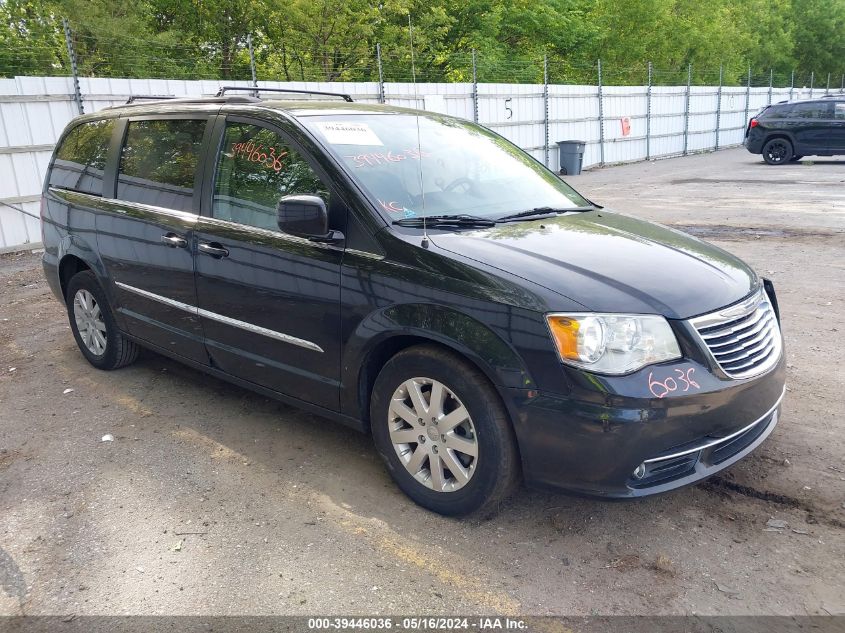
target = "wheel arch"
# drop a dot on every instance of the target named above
(779, 134)
(76, 255)
(69, 266)
(401, 327)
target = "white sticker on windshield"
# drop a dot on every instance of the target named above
(345, 133)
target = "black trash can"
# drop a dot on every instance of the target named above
(571, 155)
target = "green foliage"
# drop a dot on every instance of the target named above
(318, 40)
(31, 39)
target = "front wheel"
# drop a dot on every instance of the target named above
(777, 151)
(443, 433)
(93, 324)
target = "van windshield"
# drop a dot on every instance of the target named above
(460, 167)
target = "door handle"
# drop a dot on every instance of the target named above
(174, 241)
(214, 249)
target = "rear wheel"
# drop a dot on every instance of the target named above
(777, 151)
(441, 430)
(93, 324)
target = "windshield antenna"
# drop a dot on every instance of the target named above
(419, 142)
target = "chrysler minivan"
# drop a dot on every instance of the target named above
(419, 278)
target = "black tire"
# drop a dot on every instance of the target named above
(795, 158)
(777, 151)
(119, 351)
(496, 470)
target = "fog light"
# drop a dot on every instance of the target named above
(639, 473)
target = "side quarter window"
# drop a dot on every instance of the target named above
(158, 162)
(81, 157)
(839, 111)
(256, 168)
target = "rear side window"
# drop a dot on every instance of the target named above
(81, 158)
(158, 162)
(813, 110)
(256, 169)
(839, 111)
(773, 112)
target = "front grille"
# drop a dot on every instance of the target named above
(744, 339)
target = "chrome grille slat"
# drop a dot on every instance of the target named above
(749, 363)
(745, 352)
(738, 342)
(718, 332)
(729, 338)
(743, 339)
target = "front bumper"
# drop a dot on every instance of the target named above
(594, 448)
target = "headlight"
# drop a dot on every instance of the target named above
(612, 343)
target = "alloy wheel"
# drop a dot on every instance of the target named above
(777, 152)
(433, 434)
(89, 322)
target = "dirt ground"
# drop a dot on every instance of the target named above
(213, 500)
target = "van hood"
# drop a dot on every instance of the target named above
(610, 263)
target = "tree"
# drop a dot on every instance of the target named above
(819, 36)
(31, 39)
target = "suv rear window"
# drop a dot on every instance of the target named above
(158, 162)
(81, 158)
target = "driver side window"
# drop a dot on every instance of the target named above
(255, 170)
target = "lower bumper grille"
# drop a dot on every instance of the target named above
(703, 455)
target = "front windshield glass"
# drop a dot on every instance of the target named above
(464, 168)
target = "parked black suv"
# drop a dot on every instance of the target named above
(418, 277)
(790, 130)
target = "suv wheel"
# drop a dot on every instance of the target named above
(93, 324)
(777, 151)
(442, 432)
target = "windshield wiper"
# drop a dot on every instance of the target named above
(538, 213)
(445, 220)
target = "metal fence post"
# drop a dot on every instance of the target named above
(648, 115)
(842, 85)
(252, 63)
(771, 81)
(792, 85)
(601, 118)
(827, 90)
(747, 95)
(812, 81)
(74, 68)
(474, 88)
(719, 106)
(546, 106)
(380, 74)
(686, 109)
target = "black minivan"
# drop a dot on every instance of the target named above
(419, 278)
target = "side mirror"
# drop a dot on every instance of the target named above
(306, 216)
(302, 215)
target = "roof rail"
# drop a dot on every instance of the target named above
(255, 90)
(134, 98)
